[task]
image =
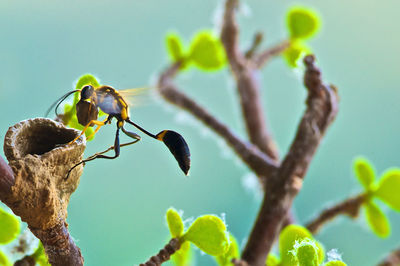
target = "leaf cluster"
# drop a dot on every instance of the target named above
(208, 233)
(205, 51)
(297, 247)
(302, 24)
(386, 189)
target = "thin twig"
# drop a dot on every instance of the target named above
(393, 259)
(259, 162)
(350, 207)
(164, 254)
(257, 40)
(247, 85)
(261, 59)
(282, 187)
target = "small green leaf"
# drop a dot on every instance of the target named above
(175, 223)
(174, 46)
(307, 253)
(376, 219)
(364, 172)
(233, 252)
(287, 239)
(4, 259)
(183, 256)
(208, 233)
(294, 54)
(335, 263)
(10, 227)
(321, 252)
(87, 79)
(302, 22)
(389, 188)
(40, 256)
(207, 51)
(272, 260)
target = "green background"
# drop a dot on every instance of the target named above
(117, 214)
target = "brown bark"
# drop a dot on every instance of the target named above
(350, 207)
(284, 185)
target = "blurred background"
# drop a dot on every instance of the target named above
(117, 214)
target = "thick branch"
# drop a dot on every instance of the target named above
(164, 254)
(393, 259)
(247, 85)
(350, 207)
(260, 163)
(59, 246)
(282, 187)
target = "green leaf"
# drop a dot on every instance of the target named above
(389, 188)
(40, 256)
(272, 260)
(287, 239)
(174, 46)
(183, 256)
(175, 223)
(10, 227)
(4, 259)
(335, 263)
(207, 51)
(364, 172)
(377, 220)
(321, 252)
(302, 22)
(233, 252)
(294, 54)
(208, 233)
(307, 253)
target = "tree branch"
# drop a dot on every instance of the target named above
(284, 185)
(350, 207)
(393, 259)
(262, 58)
(260, 163)
(257, 40)
(247, 85)
(164, 254)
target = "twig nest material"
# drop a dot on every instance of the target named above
(40, 157)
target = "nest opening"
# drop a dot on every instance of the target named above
(42, 138)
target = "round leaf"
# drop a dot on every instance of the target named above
(307, 254)
(207, 51)
(364, 172)
(294, 54)
(175, 223)
(10, 227)
(209, 233)
(389, 188)
(272, 260)
(174, 47)
(377, 220)
(4, 260)
(302, 22)
(335, 263)
(233, 252)
(183, 256)
(287, 240)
